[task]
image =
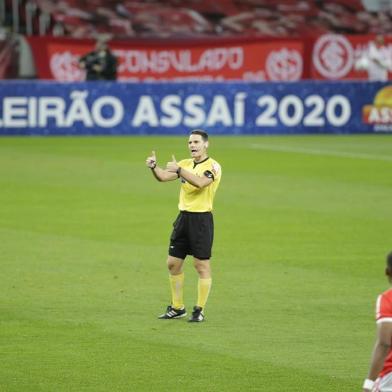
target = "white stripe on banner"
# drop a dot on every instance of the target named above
(310, 151)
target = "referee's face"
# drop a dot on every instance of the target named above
(197, 147)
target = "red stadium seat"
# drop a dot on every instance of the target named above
(173, 18)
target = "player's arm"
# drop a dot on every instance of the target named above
(195, 180)
(380, 350)
(82, 62)
(83, 59)
(160, 174)
(376, 56)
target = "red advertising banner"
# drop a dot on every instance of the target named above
(278, 60)
(337, 57)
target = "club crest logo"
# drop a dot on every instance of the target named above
(65, 67)
(285, 64)
(333, 56)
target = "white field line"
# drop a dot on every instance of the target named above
(312, 151)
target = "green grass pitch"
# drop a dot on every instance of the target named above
(303, 225)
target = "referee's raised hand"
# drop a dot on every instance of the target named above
(151, 161)
(172, 166)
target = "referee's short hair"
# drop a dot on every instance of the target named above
(200, 132)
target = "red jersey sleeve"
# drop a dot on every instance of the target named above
(384, 307)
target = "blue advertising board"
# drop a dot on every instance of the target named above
(107, 108)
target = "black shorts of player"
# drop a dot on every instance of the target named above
(193, 234)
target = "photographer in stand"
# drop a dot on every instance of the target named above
(100, 64)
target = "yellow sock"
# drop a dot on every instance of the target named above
(177, 289)
(204, 288)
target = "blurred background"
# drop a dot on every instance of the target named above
(312, 48)
(44, 39)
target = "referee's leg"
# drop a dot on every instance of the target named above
(203, 268)
(176, 277)
(174, 264)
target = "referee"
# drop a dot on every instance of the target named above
(193, 230)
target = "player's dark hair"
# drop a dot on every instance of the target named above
(202, 133)
(389, 261)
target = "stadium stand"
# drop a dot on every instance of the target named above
(193, 18)
(8, 55)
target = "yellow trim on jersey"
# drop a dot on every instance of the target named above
(194, 199)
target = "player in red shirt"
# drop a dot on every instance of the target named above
(379, 378)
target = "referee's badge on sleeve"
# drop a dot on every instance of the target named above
(216, 168)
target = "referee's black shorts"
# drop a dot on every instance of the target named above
(193, 234)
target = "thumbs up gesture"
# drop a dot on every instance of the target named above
(172, 166)
(151, 161)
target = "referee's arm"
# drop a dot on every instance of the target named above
(163, 175)
(195, 180)
(160, 174)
